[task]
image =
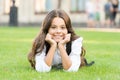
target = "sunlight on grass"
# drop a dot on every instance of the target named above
(101, 42)
(101, 47)
(16, 40)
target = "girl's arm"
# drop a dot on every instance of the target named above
(50, 54)
(66, 62)
(72, 62)
(43, 61)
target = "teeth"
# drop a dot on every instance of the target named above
(57, 36)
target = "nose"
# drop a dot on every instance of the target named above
(58, 30)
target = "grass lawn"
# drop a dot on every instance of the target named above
(102, 47)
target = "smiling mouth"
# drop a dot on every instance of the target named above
(58, 37)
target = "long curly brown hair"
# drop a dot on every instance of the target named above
(39, 41)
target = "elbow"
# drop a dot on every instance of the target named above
(42, 68)
(73, 68)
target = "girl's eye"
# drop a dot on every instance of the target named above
(53, 27)
(63, 27)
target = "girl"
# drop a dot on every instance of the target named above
(56, 44)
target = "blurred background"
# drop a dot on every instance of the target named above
(32, 12)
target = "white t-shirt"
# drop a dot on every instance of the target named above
(74, 55)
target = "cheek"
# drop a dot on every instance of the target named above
(65, 32)
(50, 31)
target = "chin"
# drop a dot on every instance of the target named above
(57, 41)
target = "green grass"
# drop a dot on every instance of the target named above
(102, 47)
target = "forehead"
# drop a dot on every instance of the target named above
(58, 20)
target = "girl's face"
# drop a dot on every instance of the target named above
(58, 29)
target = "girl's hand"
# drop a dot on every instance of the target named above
(50, 40)
(65, 40)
